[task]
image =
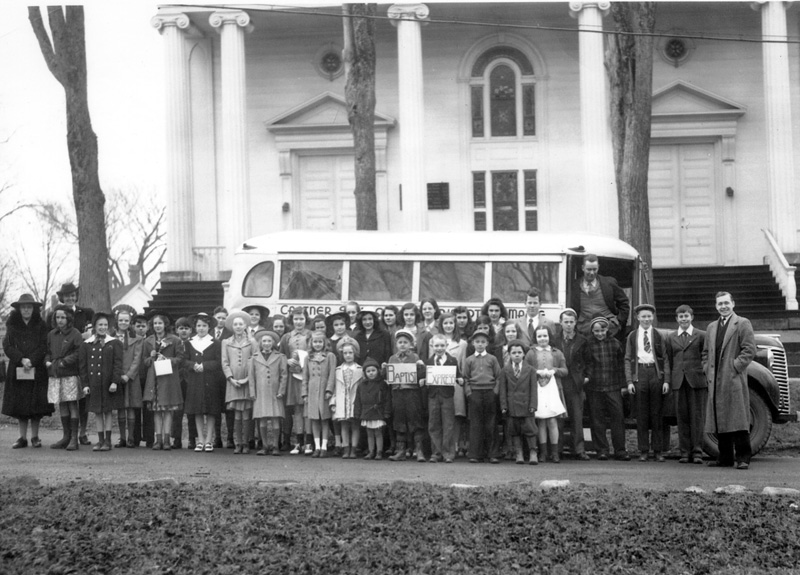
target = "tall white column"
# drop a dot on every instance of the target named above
(180, 203)
(408, 20)
(599, 182)
(232, 25)
(777, 98)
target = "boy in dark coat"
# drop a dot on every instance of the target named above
(519, 400)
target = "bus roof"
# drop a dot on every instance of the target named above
(422, 243)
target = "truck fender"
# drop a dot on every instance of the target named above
(759, 378)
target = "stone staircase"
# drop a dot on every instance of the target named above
(186, 298)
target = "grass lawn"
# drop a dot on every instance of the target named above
(396, 528)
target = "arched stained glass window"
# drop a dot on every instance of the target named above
(503, 91)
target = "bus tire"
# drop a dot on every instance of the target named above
(760, 427)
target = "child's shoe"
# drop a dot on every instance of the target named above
(543, 452)
(352, 453)
(237, 450)
(400, 455)
(309, 449)
(315, 453)
(296, 450)
(519, 457)
(534, 459)
(378, 456)
(370, 455)
(345, 452)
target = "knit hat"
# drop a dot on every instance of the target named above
(599, 320)
(371, 362)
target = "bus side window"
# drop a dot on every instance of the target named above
(452, 281)
(512, 280)
(311, 280)
(381, 280)
(259, 280)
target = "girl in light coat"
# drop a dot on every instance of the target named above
(268, 374)
(348, 377)
(318, 384)
(236, 353)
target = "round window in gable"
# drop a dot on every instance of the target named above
(328, 62)
(675, 50)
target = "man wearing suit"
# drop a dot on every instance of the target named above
(685, 360)
(527, 326)
(576, 352)
(595, 295)
(730, 347)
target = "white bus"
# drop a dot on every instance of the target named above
(321, 271)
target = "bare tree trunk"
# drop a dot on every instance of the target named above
(66, 59)
(629, 61)
(359, 57)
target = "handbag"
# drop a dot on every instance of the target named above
(29, 374)
(163, 367)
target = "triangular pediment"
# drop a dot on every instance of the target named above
(323, 112)
(683, 99)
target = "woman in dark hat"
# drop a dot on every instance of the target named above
(162, 392)
(63, 345)
(25, 345)
(100, 363)
(202, 359)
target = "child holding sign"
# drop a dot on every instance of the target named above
(373, 407)
(403, 374)
(442, 375)
(518, 400)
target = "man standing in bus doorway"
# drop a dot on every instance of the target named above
(595, 295)
(730, 347)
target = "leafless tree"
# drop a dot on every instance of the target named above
(629, 62)
(359, 59)
(135, 232)
(38, 268)
(65, 57)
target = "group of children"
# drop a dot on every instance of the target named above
(326, 378)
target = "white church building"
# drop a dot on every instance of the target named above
(489, 116)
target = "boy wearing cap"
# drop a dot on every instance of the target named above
(606, 374)
(647, 374)
(407, 416)
(481, 373)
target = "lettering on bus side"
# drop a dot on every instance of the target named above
(316, 309)
(311, 309)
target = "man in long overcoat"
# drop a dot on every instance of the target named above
(729, 349)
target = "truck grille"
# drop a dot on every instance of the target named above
(781, 372)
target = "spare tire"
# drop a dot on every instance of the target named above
(760, 427)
